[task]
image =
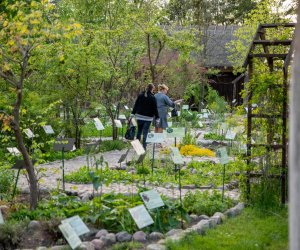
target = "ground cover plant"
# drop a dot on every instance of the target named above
(109, 211)
(195, 173)
(250, 230)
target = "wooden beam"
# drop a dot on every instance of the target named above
(270, 146)
(274, 42)
(275, 25)
(280, 56)
(266, 116)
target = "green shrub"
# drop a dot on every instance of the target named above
(6, 181)
(11, 234)
(206, 203)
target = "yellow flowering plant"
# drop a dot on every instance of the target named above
(192, 150)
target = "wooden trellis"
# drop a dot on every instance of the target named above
(260, 40)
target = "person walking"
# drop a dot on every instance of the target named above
(145, 110)
(163, 102)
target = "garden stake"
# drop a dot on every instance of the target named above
(158, 219)
(63, 166)
(153, 158)
(179, 181)
(223, 182)
(15, 187)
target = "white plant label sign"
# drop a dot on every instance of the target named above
(170, 124)
(230, 135)
(77, 224)
(200, 124)
(133, 121)
(13, 151)
(122, 117)
(152, 199)
(98, 124)
(205, 115)
(118, 123)
(186, 107)
(138, 147)
(175, 132)
(141, 216)
(126, 107)
(1, 218)
(222, 153)
(155, 137)
(176, 156)
(48, 129)
(29, 133)
(70, 235)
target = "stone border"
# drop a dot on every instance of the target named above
(102, 239)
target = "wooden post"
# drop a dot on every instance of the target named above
(294, 146)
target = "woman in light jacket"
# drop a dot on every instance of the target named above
(163, 103)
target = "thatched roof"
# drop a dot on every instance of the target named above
(215, 51)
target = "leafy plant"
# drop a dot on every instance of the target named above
(206, 203)
(6, 181)
(11, 233)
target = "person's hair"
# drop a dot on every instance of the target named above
(162, 87)
(149, 88)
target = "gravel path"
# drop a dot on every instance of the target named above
(53, 175)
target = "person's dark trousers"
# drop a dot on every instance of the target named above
(143, 128)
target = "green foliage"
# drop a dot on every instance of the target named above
(11, 234)
(109, 145)
(188, 139)
(213, 136)
(109, 211)
(215, 102)
(250, 230)
(6, 181)
(128, 246)
(206, 203)
(89, 130)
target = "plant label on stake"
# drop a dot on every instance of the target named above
(152, 199)
(122, 117)
(176, 156)
(230, 135)
(170, 124)
(98, 124)
(1, 218)
(138, 147)
(141, 216)
(48, 129)
(29, 133)
(175, 132)
(200, 124)
(155, 137)
(185, 107)
(70, 235)
(63, 144)
(133, 121)
(222, 153)
(77, 224)
(126, 107)
(123, 156)
(14, 151)
(118, 123)
(205, 115)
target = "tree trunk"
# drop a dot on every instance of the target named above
(28, 163)
(294, 156)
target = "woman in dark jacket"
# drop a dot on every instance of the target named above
(145, 109)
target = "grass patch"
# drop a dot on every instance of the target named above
(89, 130)
(250, 230)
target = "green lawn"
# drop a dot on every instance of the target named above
(250, 230)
